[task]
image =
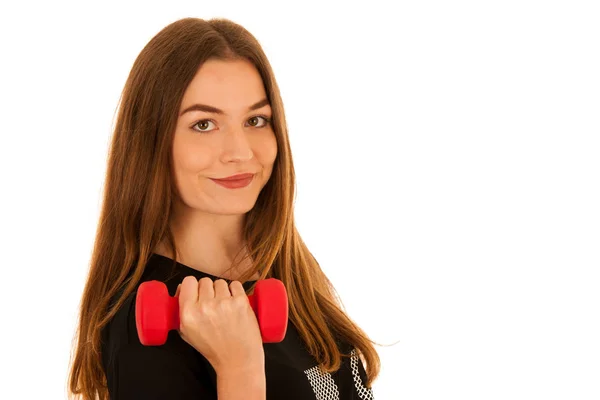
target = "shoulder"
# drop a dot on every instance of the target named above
(173, 369)
(121, 330)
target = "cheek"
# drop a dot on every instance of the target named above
(267, 150)
(191, 157)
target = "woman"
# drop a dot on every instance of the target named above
(201, 104)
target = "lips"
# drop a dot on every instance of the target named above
(239, 177)
(236, 183)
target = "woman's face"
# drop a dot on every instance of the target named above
(209, 144)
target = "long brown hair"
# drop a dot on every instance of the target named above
(139, 193)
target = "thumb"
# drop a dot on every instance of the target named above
(177, 291)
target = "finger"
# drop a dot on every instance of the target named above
(188, 290)
(237, 289)
(205, 289)
(178, 290)
(221, 288)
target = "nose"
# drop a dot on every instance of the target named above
(236, 146)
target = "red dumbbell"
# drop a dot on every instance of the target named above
(156, 313)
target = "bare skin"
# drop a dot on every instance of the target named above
(208, 219)
(225, 275)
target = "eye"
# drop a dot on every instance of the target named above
(202, 124)
(265, 118)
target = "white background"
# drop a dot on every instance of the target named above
(447, 156)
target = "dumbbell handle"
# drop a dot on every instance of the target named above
(173, 310)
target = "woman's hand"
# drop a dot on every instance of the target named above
(217, 321)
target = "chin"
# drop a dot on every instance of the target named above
(233, 210)
(230, 213)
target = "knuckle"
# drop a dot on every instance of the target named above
(225, 305)
(185, 319)
(240, 301)
(205, 307)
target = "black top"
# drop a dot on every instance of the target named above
(177, 371)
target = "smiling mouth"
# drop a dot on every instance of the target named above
(234, 183)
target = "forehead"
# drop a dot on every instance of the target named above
(229, 85)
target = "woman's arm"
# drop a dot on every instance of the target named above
(242, 384)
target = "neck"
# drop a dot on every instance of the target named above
(209, 243)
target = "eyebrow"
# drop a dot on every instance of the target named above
(214, 110)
